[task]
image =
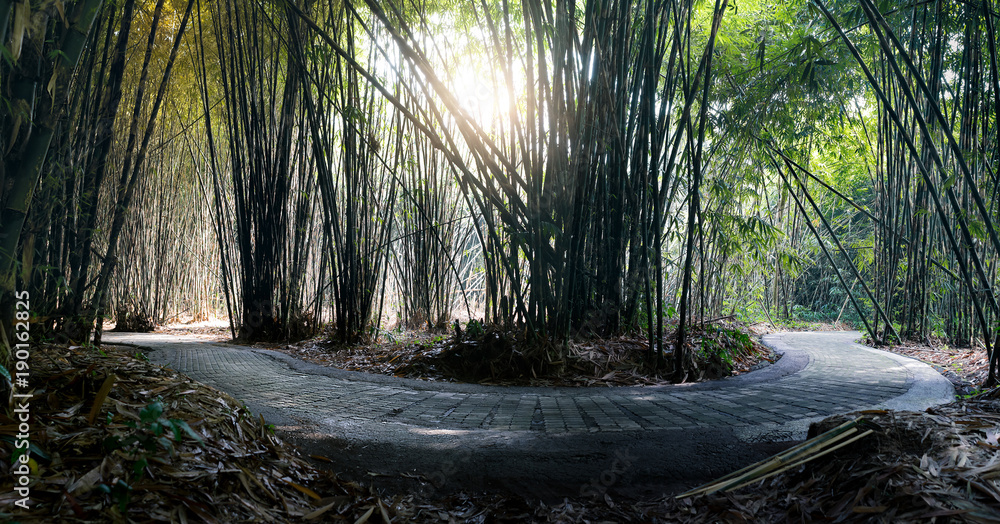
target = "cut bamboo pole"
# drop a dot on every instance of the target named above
(792, 457)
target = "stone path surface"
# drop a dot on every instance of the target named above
(406, 422)
(829, 375)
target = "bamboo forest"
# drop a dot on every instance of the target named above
(499, 261)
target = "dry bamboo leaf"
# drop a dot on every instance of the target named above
(932, 467)
(986, 472)
(86, 483)
(102, 394)
(385, 513)
(319, 512)
(364, 518)
(198, 509)
(977, 513)
(22, 16)
(304, 490)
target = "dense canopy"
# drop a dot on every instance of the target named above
(554, 168)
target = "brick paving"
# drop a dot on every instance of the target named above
(834, 376)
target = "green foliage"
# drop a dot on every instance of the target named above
(474, 329)
(557, 205)
(723, 344)
(150, 434)
(977, 391)
(120, 492)
(147, 439)
(33, 449)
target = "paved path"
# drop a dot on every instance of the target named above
(819, 374)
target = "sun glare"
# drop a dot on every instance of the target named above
(477, 95)
(484, 95)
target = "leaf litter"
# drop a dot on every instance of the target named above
(719, 349)
(937, 465)
(966, 368)
(100, 457)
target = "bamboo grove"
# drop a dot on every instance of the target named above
(555, 169)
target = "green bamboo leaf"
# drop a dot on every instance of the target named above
(187, 429)
(151, 413)
(978, 229)
(33, 448)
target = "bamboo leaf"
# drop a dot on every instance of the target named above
(102, 394)
(304, 490)
(22, 19)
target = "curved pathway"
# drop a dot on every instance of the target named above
(555, 441)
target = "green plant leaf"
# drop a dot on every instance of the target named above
(139, 466)
(152, 412)
(187, 429)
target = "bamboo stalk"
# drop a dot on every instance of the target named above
(794, 456)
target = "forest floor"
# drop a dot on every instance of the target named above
(118, 439)
(965, 368)
(719, 350)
